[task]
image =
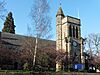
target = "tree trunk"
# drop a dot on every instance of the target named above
(34, 59)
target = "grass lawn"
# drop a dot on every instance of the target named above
(48, 72)
(14, 72)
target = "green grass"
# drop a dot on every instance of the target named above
(47, 72)
(14, 72)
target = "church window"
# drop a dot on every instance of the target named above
(70, 31)
(76, 32)
(73, 31)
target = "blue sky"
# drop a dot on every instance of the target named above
(89, 13)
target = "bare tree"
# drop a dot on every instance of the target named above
(8, 57)
(40, 18)
(93, 44)
(28, 48)
(45, 54)
(41, 21)
(2, 9)
(92, 48)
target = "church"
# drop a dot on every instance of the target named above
(68, 40)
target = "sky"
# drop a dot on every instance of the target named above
(89, 13)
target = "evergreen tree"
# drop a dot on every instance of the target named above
(9, 24)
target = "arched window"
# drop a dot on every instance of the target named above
(76, 32)
(70, 31)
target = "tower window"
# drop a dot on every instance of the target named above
(73, 31)
(76, 32)
(70, 31)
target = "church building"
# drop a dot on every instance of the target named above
(68, 40)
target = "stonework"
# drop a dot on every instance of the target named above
(68, 38)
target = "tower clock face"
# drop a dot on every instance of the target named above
(75, 44)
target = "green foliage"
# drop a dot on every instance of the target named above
(45, 56)
(25, 66)
(42, 61)
(9, 24)
(15, 72)
(98, 65)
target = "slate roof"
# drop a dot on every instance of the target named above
(17, 40)
(60, 12)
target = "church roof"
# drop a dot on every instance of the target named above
(60, 12)
(15, 40)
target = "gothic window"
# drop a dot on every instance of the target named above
(70, 31)
(73, 31)
(76, 32)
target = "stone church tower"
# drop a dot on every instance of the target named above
(68, 39)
